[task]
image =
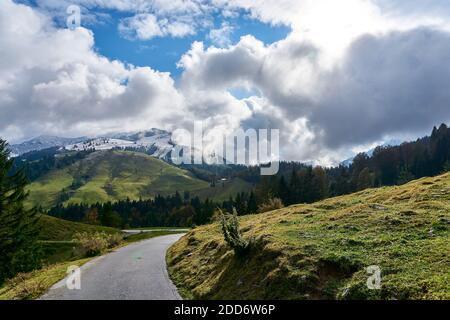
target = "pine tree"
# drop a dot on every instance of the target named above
(365, 180)
(295, 188)
(19, 250)
(446, 166)
(404, 176)
(306, 192)
(319, 184)
(283, 190)
(109, 217)
(252, 206)
(91, 216)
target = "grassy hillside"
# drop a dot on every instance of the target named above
(111, 176)
(56, 237)
(54, 229)
(321, 251)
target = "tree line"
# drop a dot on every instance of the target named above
(171, 211)
(35, 164)
(388, 166)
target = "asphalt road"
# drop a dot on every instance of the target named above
(134, 272)
(154, 230)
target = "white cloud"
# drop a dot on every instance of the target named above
(351, 72)
(53, 81)
(142, 26)
(147, 26)
(148, 18)
(391, 84)
(221, 37)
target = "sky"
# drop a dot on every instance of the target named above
(335, 77)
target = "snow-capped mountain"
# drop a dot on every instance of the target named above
(154, 142)
(41, 143)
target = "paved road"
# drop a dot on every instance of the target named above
(134, 272)
(154, 230)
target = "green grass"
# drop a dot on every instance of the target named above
(56, 236)
(59, 251)
(46, 190)
(54, 229)
(111, 176)
(33, 284)
(321, 251)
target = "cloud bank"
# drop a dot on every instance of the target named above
(350, 73)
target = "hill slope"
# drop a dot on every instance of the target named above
(322, 250)
(54, 229)
(56, 237)
(110, 176)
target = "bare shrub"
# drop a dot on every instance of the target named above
(270, 205)
(114, 240)
(232, 235)
(92, 244)
(24, 288)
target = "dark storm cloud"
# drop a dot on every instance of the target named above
(389, 84)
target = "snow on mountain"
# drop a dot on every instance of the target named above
(40, 143)
(155, 142)
(99, 144)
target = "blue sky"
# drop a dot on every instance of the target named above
(160, 53)
(163, 53)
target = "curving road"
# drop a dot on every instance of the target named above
(134, 272)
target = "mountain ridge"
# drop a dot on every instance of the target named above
(156, 142)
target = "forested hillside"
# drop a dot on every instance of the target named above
(388, 166)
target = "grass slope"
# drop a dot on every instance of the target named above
(56, 238)
(31, 285)
(111, 176)
(321, 251)
(54, 229)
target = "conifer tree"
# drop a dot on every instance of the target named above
(19, 250)
(252, 206)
